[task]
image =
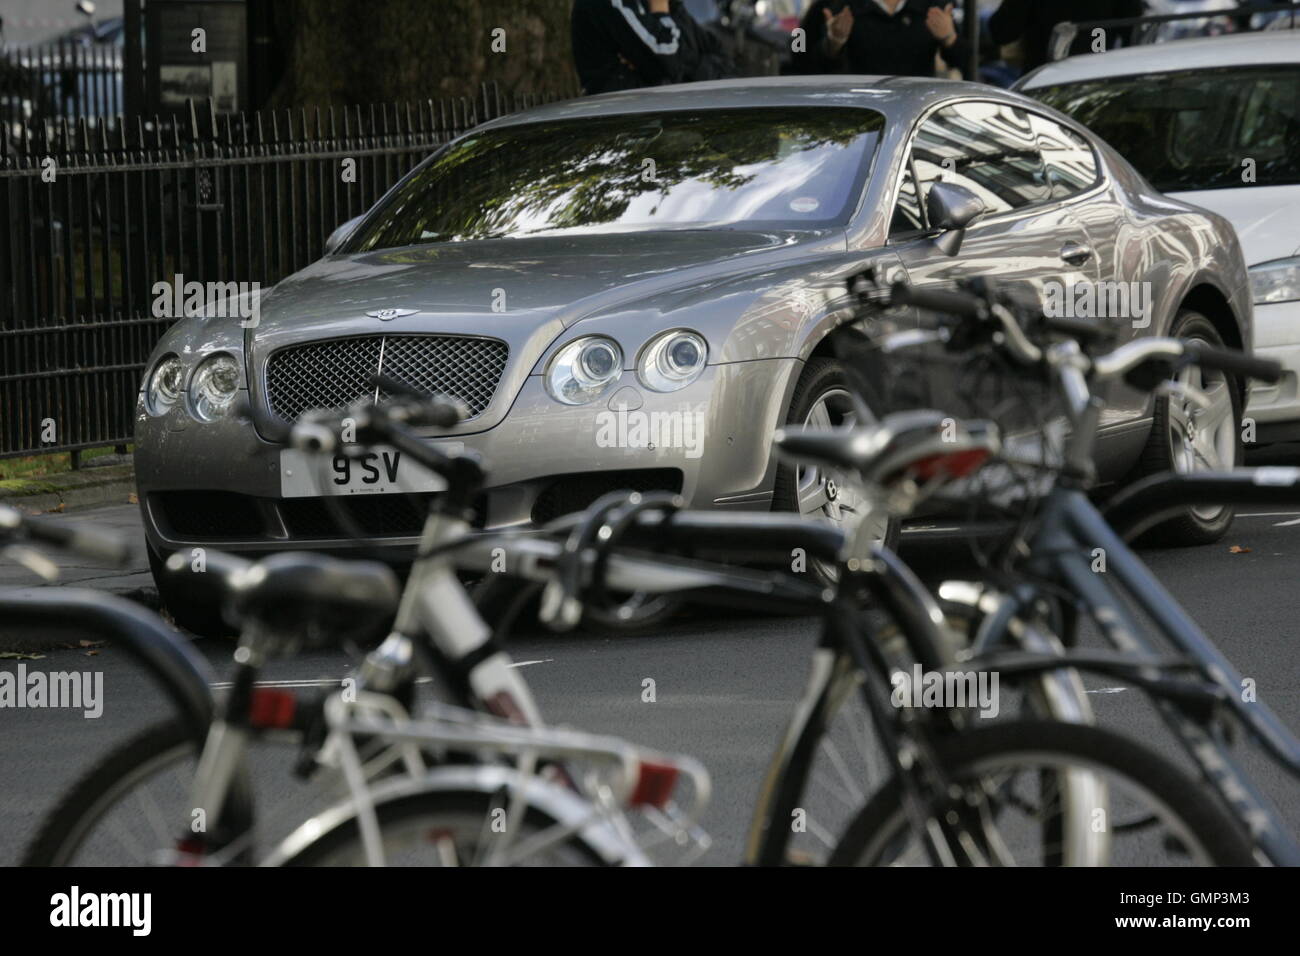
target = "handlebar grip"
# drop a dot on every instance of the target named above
(1234, 362)
(89, 542)
(949, 302)
(1085, 330)
(437, 412)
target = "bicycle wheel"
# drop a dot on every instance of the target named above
(1152, 813)
(831, 757)
(452, 828)
(133, 804)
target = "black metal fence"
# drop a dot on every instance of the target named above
(65, 79)
(92, 217)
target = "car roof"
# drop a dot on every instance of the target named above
(894, 96)
(1246, 49)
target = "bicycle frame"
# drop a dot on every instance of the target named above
(595, 817)
(1069, 532)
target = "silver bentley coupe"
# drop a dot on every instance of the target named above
(635, 290)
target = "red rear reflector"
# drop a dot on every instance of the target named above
(654, 784)
(958, 464)
(189, 851)
(271, 709)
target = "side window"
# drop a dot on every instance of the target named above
(1071, 164)
(989, 148)
(907, 211)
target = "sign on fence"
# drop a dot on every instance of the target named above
(197, 51)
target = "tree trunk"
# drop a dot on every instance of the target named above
(344, 52)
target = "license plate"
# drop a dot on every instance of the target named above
(379, 471)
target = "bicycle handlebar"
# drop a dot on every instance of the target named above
(88, 541)
(946, 301)
(1233, 362)
(1002, 315)
(325, 431)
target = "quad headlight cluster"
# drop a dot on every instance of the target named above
(586, 368)
(212, 387)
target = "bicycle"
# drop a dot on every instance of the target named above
(1197, 691)
(450, 771)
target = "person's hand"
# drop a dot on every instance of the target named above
(658, 6)
(939, 22)
(838, 26)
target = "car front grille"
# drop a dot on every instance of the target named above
(336, 372)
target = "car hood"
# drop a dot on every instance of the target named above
(1264, 217)
(522, 291)
(553, 278)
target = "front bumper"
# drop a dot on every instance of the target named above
(1275, 409)
(219, 483)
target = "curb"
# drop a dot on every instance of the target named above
(88, 488)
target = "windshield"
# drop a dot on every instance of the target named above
(1199, 129)
(749, 168)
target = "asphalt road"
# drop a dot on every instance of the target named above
(725, 684)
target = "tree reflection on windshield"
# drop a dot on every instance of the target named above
(760, 167)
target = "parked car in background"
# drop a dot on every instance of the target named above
(636, 290)
(1197, 27)
(1214, 122)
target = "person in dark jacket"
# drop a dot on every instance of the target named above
(1032, 21)
(626, 44)
(888, 37)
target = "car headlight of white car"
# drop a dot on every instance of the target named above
(165, 385)
(214, 387)
(1276, 281)
(672, 360)
(583, 370)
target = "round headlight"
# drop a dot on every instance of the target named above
(215, 385)
(673, 361)
(584, 369)
(165, 384)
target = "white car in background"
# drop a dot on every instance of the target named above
(1214, 122)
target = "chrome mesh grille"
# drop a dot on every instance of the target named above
(334, 373)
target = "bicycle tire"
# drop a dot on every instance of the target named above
(95, 792)
(1219, 834)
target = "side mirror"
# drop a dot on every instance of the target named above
(335, 238)
(951, 208)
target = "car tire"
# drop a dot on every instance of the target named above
(200, 616)
(1194, 525)
(823, 382)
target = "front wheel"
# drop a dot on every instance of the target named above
(1146, 811)
(822, 400)
(1186, 438)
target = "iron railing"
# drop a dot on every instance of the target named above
(93, 217)
(64, 79)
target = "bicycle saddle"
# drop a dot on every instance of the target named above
(924, 442)
(291, 589)
(295, 591)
